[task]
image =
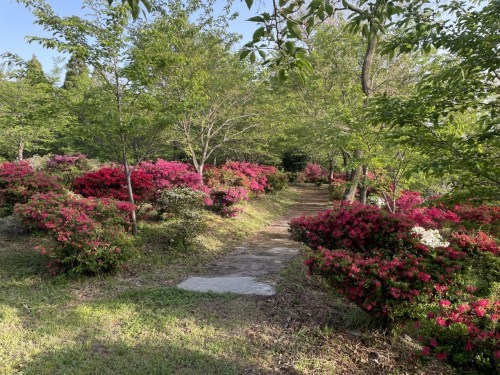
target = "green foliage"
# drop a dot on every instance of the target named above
(452, 116)
(182, 208)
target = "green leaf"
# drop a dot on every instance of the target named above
(294, 30)
(249, 3)
(256, 19)
(258, 33)
(244, 54)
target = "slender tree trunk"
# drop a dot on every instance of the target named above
(363, 190)
(366, 86)
(128, 183)
(353, 181)
(20, 150)
(331, 164)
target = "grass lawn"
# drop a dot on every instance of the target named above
(136, 322)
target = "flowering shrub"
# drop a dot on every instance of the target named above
(223, 178)
(479, 241)
(171, 174)
(65, 160)
(375, 200)
(336, 188)
(485, 218)
(430, 238)
(87, 234)
(408, 200)
(109, 182)
(466, 335)
(313, 173)
(432, 217)
(381, 281)
(19, 181)
(371, 256)
(355, 227)
(224, 201)
(255, 174)
(68, 167)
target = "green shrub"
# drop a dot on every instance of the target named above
(182, 207)
(276, 181)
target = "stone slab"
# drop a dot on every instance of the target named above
(224, 284)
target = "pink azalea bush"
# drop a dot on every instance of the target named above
(19, 181)
(224, 201)
(464, 334)
(66, 168)
(87, 235)
(171, 174)
(313, 173)
(255, 174)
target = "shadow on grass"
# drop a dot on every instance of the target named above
(113, 358)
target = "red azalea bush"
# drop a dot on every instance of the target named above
(479, 241)
(381, 281)
(109, 182)
(19, 181)
(356, 227)
(223, 178)
(466, 335)
(432, 217)
(171, 174)
(87, 234)
(484, 218)
(224, 201)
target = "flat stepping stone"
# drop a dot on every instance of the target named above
(224, 284)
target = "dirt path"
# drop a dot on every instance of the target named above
(252, 268)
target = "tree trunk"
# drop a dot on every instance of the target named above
(366, 86)
(128, 183)
(20, 150)
(331, 164)
(363, 190)
(353, 181)
(130, 193)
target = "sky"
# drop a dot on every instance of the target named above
(16, 22)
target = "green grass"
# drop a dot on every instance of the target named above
(136, 322)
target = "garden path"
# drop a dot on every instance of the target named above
(253, 267)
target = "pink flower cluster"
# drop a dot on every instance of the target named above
(19, 181)
(65, 160)
(171, 174)
(224, 201)
(87, 234)
(464, 334)
(381, 280)
(255, 174)
(479, 241)
(356, 227)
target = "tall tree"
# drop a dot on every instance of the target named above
(28, 109)
(115, 113)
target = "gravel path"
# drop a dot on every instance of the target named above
(253, 267)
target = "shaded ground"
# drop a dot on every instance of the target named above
(253, 267)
